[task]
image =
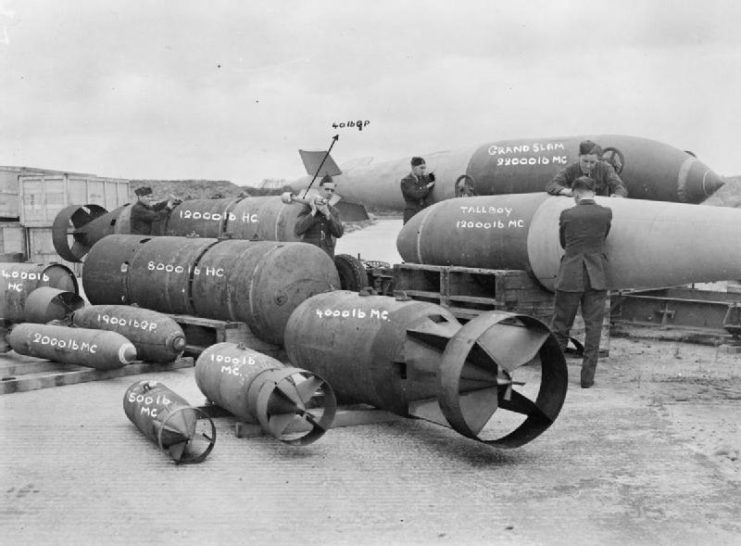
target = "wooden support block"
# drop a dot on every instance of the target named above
(44, 374)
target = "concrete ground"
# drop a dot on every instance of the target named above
(650, 455)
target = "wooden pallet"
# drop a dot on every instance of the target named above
(21, 373)
(201, 333)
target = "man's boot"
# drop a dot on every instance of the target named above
(587, 375)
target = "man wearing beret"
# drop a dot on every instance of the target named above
(144, 212)
(582, 276)
(416, 187)
(607, 182)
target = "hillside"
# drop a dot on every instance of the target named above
(200, 189)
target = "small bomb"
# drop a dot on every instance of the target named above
(293, 405)
(166, 418)
(94, 348)
(157, 337)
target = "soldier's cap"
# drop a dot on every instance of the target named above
(583, 183)
(417, 161)
(589, 147)
(144, 190)
(326, 179)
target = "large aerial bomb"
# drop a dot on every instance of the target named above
(650, 170)
(293, 405)
(416, 360)
(157, 337)
(256, 282)
(46, 304)
(94, 348)
(18, 280)
(78, 227)
(650, 244)
(187, 433)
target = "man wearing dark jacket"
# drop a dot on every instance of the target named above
(582, 275)
(320, 223)
(607, 182)
(144, 212)
(416, 187)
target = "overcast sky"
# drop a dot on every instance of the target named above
(231, 90)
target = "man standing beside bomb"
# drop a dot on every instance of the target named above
(144, 212)
(416, 187)
(607, 182)
(581, 279)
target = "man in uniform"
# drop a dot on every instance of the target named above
(415, 187)
(581, 276)
(144, 212)
(607, 181)
(320, 223)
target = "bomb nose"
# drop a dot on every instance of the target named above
(696, 181)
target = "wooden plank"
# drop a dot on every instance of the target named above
(67, 374)
(200, 321)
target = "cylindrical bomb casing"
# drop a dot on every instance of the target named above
(18, 280)
(157, 337)
(94, 348)
(162, 270)
(227, 374)
(264, 218)
(260, 282)
(348, 338)
(257, 282)
(106, 268)
(200, 218)
(46, 304)
(166, 418)
(258, 388)
(650, 244)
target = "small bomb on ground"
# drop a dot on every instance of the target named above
(295, 406)
(163, 416)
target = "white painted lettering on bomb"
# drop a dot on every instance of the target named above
(493, 224)
(72, 344)
(120, 321)
(479, 209)
(170, 268)
(216, 216)
(148, 401)
(233, 360)
(24, 275)
(535, 147)
(353, 313)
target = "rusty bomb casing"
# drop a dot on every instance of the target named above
(650, 244)
(166, 418)
(256, 282)
(415, 359)
(293, 405)
(157, 337)
(18, 280)
(84, 347)
(46, 304)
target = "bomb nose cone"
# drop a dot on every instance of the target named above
(696, 181)
(176, 341)
(127, 353)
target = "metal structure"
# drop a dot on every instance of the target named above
(187, 433)
(295, 406)
(256, 282)
(18, 280)
(93, 348)
(46, 304)
(650, 244)
(157, 337)
(416, 360)
(650, 170)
